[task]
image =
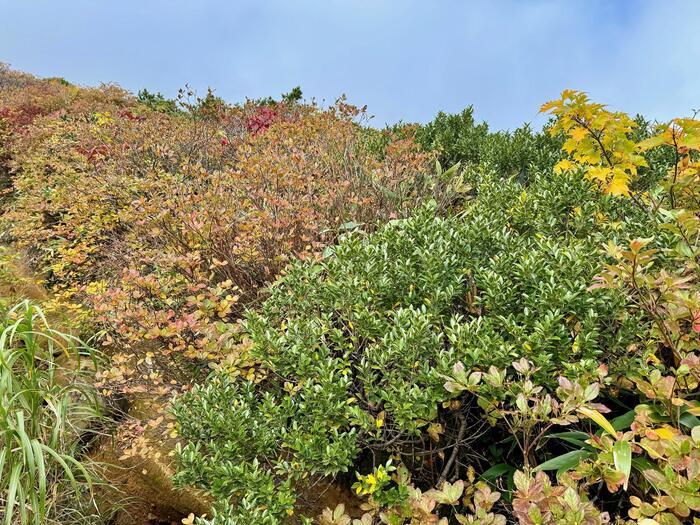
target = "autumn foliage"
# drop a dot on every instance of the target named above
(457, 325)
(164, 225)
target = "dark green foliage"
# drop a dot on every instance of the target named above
(459, 138)
(157, 102)
(456, 137)
(59, 80)
(294, 96)
(356, 346)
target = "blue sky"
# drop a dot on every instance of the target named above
(405, 59)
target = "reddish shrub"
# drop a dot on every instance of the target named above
(167, 224)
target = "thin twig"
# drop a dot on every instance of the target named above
(453, 456)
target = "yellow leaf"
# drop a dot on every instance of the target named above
(434, 430)
(569, 145)
(619, 185)
(598, 173)
(564, 165)
(690, 141)
(380, 420)
(547, 106)
(578, 134)
(652, 453)
(600, 419)
(665, 432)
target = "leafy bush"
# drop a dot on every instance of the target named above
(354, 350)
(386, 346)
(165, 223)
(44, 410)
(658, 457)
(458, 138)
(157, 102)
(550, 281)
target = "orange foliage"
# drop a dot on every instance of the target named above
(167, 224)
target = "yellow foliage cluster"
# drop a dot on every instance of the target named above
(597, 141)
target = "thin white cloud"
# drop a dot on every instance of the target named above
(406, 59)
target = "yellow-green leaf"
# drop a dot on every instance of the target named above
(622, 456)
(600, 419)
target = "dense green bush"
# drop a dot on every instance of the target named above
(459, 138)
(356, 347)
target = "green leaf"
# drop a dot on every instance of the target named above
(624, 421)
(11, 497)
(689, 420)
(565, 461)
(497, 471)
(446, 175)
(41, 471)
(641, 464)
(622, 456)
(350, 225)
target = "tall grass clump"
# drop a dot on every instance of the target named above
(45, 407)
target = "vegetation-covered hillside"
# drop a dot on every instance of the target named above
(335, 324)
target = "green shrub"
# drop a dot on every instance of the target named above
(355, 348)
(456, 137)
(652, 452)
(459, 138)
(157, 102)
